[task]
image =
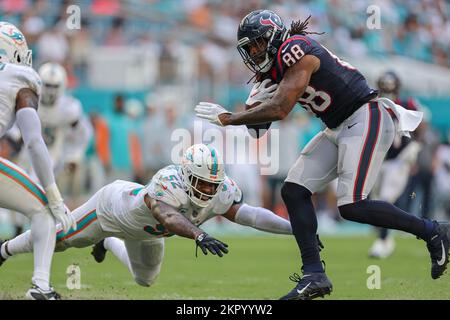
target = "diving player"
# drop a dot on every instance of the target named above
(131, 220)
(19, 95)
(359, 132)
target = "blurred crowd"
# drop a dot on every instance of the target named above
(132, 137)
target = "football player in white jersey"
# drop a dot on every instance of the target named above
(19, 97)
(131, 220)
(66, 131)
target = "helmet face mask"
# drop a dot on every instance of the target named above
(260, 34)
(200, 191)
(202, 173)
(389, 84)
(54, 79)
(260, 61)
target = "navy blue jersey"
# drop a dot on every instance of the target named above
(335, 90)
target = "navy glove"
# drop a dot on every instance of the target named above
(206, 242)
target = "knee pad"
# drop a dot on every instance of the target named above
(292, 193)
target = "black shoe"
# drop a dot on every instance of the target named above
(438, 247)
(36, 293)
(99, 251)
(310, 286)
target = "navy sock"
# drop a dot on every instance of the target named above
(386, 215)
(383, 233)
(304, 224)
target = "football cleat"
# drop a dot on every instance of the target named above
(36, 293)
(438, 247)
(99, 251)
(382, 248)
(310, 286)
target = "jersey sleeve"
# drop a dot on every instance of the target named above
(293, 50)
(228, 195)
(166, 187)
(28, 78)
(19, 77)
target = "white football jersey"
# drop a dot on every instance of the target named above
(121, 208)
(14, 77)
(56, 123)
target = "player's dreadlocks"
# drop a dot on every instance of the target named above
(300, 27)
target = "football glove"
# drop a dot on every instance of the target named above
(208, 243)
(58, 209)
(260, 92)
(210, 111)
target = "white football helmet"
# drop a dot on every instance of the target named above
(202, 163)
(13, 45)
(54, 80)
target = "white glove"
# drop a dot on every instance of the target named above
(210, 111)
(260, 93)
(58, 209)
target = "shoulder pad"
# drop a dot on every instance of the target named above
(26, 76)
(72, 108)
(228, 194)
(166, 186)
(293, 49)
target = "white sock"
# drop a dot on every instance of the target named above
(21, 244)
(117, 247)
(43, 232)
(3, 252)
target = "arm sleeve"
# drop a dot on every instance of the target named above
(262, 219)
(29, 124)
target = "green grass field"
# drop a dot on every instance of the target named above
(256, 268)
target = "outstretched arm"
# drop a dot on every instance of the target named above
(178, 224)
(258, 218)
(173, 221)
(29, 124)
(290, 89)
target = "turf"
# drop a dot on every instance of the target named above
(256, 268)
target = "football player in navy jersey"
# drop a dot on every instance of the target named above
(396, 168)
(359, 131)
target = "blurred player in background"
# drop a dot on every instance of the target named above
(66, 132)
(400, 158)
(20, 88)
(359, 133)
(177, 200)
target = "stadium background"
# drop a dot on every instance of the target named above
(140, 66)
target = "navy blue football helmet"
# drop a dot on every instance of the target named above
(259, 35)
(389, 83)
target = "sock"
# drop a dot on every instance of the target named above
(21, 244)
(4, 250)
(383, 233)
(43, 233)
(386, 215)
(304, 224)
(117, 247)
